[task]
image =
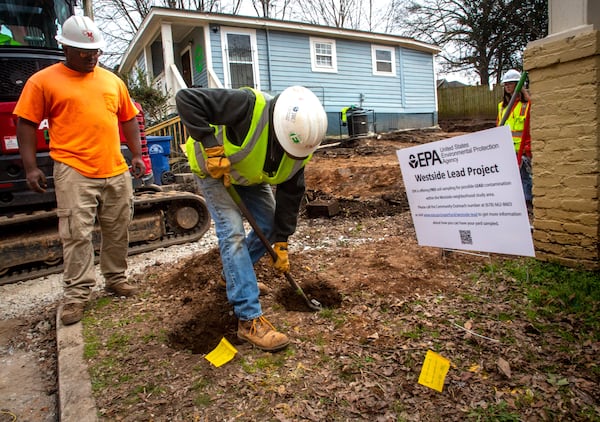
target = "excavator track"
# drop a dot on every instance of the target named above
(30, 246)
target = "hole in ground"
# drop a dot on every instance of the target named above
(327, 295)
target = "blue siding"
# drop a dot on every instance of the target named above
(262, 43)
(417, 68)
(406, 100)
(217, 54)
(141, 63)
(200, 77)
(290, 64)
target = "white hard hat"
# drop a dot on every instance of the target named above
(81, 32)
(300, 121)
(511, 75)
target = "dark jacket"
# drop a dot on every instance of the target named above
(201, 107)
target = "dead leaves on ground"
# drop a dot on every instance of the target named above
(361, 359)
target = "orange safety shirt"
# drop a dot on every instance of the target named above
(83, 111)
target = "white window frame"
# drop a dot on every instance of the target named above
(253, 46)
(313, 55)
(392, 50)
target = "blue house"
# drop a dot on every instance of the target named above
(390, 78)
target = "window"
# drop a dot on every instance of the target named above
(322, 55)
(241, 63)
(158, 65)
(384, 60)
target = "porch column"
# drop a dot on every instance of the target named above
(166, 34)
(564, 73)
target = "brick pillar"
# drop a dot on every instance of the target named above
(564, 74)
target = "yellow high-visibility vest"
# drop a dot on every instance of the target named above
(516, 120)
(247, 160)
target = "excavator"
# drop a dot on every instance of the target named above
(30, 246)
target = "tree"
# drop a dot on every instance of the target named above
(272, 9)
(487, 36)
(353, 14)
(154, 103)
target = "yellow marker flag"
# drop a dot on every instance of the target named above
(221, 354)
(433, 373)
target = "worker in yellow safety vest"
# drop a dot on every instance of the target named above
(519, 121)
(248, 141)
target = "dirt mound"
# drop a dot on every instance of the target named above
(466, 125)
(203, 315)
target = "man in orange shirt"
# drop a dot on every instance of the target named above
(84, 105)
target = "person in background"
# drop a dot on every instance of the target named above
(84, 104)
(247, 139)
(519, 122)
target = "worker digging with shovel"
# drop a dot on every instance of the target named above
(242, 143)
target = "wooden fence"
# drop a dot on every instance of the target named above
(469, 102)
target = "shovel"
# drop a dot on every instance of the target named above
(313, 304)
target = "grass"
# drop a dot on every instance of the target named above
(554, 290)
(268, 363)
(497, 412)
(118, 342)
(92, 344)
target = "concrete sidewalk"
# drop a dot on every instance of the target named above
(75, 400)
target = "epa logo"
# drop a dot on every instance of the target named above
(424, 159)
(412, 161)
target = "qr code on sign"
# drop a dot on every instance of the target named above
(465, 237)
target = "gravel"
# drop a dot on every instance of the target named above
(23, 298)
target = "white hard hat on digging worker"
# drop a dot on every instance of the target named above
(81, 32)
(299, 120)
(511, 75)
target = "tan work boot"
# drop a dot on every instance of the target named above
(262, 287)
(72, 313)
(123, 288)
(262, 334)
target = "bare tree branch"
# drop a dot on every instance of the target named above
(487, 36)
(353, 14)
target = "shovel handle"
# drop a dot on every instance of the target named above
(312, 304)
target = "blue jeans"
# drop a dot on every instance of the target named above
(239, 252)
(526, 178)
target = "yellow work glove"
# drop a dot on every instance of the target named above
(218, 165)
(283, 262)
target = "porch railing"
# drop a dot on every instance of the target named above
(173, 126)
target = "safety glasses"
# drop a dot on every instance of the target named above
(86, 54)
